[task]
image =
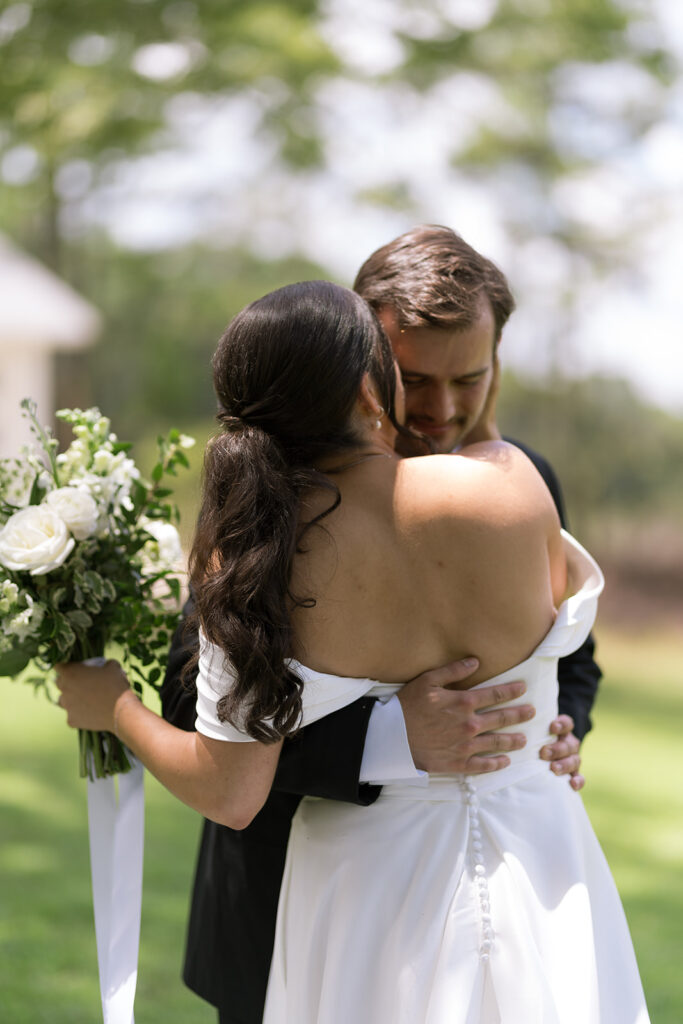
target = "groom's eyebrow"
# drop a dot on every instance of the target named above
(472, 374)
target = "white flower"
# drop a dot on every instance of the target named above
(26, 623)
(102, 461)
(77, 507)
(9, 592)
(165, 550)
(111, 479)
(186, 441)
(73, 461)
(35, 539)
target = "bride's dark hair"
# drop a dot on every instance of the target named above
(287, 374)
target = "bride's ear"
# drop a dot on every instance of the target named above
(368, 399)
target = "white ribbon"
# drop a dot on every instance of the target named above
(116, 829)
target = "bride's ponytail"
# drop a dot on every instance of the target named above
(244, 545)
(287, 373)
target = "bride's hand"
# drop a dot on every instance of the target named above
(89, 694)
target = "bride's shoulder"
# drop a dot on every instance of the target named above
(489, 479)
(476, 462)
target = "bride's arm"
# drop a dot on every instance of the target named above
(227, 782)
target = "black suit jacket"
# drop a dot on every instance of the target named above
(238, 874)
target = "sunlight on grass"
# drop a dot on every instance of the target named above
(48, 964)
(633, 763)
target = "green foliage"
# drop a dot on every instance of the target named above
(73, 89)
(614, 453)
(524, 44)
(163, 316)
(522, 54)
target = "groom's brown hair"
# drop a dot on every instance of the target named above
(431, 277)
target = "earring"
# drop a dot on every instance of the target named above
(378, 421)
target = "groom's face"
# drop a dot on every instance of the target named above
(446, 373)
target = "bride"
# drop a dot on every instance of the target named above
(322, 563)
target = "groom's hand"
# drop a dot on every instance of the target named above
(455, 730)
(563, 753)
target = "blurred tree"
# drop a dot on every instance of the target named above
(617, 455)
(544, 89)
(557, 87)
(162, 320)
(84, 85)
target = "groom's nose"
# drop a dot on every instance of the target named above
(440, 405)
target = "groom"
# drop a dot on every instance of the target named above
(443, 307)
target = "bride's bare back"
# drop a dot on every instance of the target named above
(427, 560)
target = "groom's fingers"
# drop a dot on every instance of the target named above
(503, 718)
(447, 675)
(444, 725)
(498, 742)
(560, 749)
(489, 748)
(478, 764)
(564, 751)
(500, 693)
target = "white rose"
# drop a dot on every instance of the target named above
(35, 539)
(167, 551)
(77, 507)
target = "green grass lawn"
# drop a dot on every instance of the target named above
(633, 763)
(48, 970)
(48, 963)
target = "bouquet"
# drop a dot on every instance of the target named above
(89, 557)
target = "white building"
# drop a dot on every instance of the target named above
(39, 315)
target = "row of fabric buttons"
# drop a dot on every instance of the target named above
(480, 878)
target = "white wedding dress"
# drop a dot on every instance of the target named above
(472, 900)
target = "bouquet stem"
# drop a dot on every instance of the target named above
(101, 754)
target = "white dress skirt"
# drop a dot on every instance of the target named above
(471, 900)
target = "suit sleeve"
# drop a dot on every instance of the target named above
(578, 673)
(323, 760)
